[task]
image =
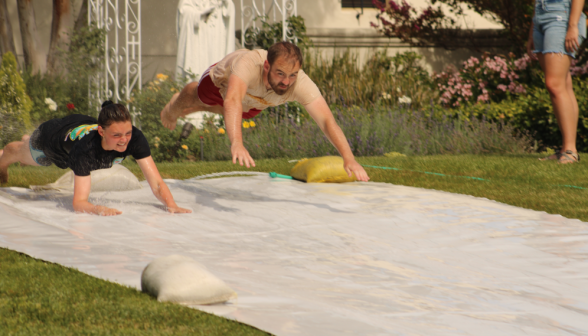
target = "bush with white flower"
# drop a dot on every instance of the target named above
(52, 105)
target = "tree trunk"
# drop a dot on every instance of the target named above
(30, 39)
(82, 20)
(60, 26)
(6, 37)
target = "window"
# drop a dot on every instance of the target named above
(359, 3)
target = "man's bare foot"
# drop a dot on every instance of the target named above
(166, 116)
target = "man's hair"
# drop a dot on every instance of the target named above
(112, 113)
(284, 49)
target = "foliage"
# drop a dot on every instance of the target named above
(15, 104)
(382, 80)
(433, 27)
(37, 299)
(150, 101)
(68, 89)
(270, 33)
(532, 112)
(492, 79)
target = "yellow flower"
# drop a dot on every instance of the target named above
(156, 145)
(252, 123)
(185, 147)
(161, 77)
(246, 124)
(221, 131)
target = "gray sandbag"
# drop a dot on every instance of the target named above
(182, 280)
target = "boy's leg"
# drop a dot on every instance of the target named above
(17, 151)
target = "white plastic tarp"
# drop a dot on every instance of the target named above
(331, 259)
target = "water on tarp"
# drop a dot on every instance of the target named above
(332, 259)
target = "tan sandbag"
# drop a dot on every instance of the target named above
(182, 280)
(117, 178)
(326, 169)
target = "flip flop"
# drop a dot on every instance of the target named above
(569, 157)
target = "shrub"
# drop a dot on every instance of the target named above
(270, 33)
(150, 101)
(69, 89)
(382, 80)
(15, 104)
(369, 133)
(492, 79)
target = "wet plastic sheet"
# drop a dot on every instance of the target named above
(331, 259)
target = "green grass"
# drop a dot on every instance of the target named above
(37, 297)
(41, 298)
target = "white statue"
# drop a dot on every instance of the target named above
(206, 34)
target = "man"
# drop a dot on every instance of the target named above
(248, 81)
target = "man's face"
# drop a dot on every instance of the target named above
(282, 74)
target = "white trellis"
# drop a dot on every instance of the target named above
(272, 10)
(121, 64)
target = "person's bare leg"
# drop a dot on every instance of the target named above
(182, 104)
(17, 151)
(565, 106)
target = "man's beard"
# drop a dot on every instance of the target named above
(278, 90)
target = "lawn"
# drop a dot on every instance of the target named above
(37, 297)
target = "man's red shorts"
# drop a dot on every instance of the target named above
(209, 94)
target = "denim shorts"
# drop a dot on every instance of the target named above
(35, 146)
(551, 26)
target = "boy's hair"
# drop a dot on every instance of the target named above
(112, 113)
(284, 49)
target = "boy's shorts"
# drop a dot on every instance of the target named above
(209, 94)
(35, 147)
(550, 26)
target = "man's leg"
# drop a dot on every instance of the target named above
(17, 151)
(184, 103)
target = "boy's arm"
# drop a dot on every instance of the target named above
(82, 186)
(233, 116)
(322, 115)
(158, 187)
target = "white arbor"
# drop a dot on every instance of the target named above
(253, 11)
(121, 63)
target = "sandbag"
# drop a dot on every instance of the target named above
(326, 169)
(182, 280)
(116, 178)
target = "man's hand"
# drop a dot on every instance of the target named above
(351, 166)
(177, 209)
(241, 154)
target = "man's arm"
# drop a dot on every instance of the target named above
(82, 186)
(233, 116)
(322, 115)
(158, 187)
